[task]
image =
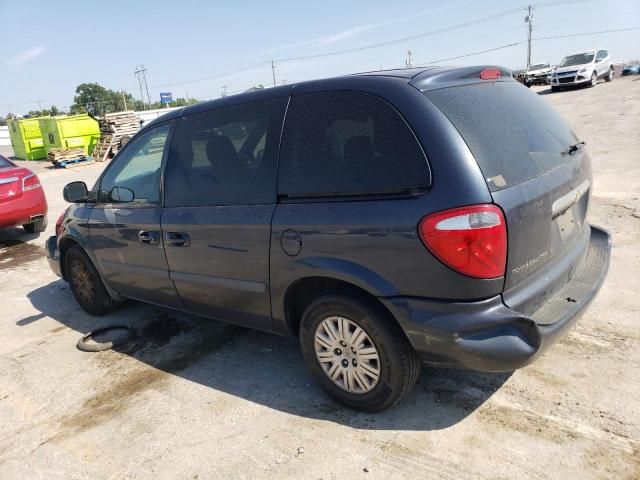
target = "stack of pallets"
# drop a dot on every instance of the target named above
(115, 130)
(62, 157)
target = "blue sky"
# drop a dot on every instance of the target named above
(193, 48)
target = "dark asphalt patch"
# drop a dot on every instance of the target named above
(16, 253)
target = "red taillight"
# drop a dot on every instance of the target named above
(471, 240)
(30, 182)
(59, 222)
(490, 74)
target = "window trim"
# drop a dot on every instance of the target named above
(99, 203)
(347, 196)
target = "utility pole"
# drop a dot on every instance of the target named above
(142, 79)
(224, 90)
(408, 62)
(273, 72)
(529, 21)
(39, 104)
(124, 99)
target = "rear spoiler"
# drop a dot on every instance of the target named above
(454, 76)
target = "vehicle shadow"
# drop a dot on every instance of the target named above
(263, 368)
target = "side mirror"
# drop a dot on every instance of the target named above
(75, 192)
(121, 195)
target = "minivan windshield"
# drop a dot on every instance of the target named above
(579, 59)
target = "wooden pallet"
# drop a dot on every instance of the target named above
(65, 154)
(113, 127)
(101, 152)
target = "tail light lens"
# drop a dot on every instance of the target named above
(30, 182)
(471, 240)
(59, 222)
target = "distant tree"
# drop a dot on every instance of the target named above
(8, 116)
(183, 102)
(53, 111)
(91, 98)
(97, 100)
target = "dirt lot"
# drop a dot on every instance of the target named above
(195, 399)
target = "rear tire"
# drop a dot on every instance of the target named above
(367, 362)
(85, 282)
(36, 227)
(610, 75)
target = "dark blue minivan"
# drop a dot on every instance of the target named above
(386, 219)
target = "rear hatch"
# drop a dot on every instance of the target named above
(538, 172)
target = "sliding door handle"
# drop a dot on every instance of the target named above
(177, 239)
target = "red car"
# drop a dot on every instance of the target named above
(22, 200)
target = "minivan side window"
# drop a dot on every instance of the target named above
(348, 143)
(137, 168)
(225, 156)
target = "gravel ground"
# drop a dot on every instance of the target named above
(196, 399)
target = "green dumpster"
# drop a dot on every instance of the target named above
(26, 138)
(70, 131)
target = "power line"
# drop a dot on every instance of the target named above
(513, 44)
(588, 33)
(213, 77)
(366, 47)
(501, 47)
(426, 34)
(404, 39)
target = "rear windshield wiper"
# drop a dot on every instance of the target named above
(573, 148)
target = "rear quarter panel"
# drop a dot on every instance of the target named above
(374, 244)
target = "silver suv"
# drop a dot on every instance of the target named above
(582, 68)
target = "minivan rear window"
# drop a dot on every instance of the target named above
(513, 133)
(4, 162)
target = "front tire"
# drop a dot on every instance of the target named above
(85, 282)
(357, 353)
(594, 80)
(38, 226)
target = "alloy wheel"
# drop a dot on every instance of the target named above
(347, 354)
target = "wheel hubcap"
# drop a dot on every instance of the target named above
(82, 282)
(347, 355)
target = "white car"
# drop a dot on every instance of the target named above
(582, 68)
(537, 74)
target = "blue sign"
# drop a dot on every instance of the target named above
(165, 97)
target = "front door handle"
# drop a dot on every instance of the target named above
(177, 239)
(148, 238)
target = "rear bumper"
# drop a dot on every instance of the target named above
(25, 209)
(489, 336)
(53, 255)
